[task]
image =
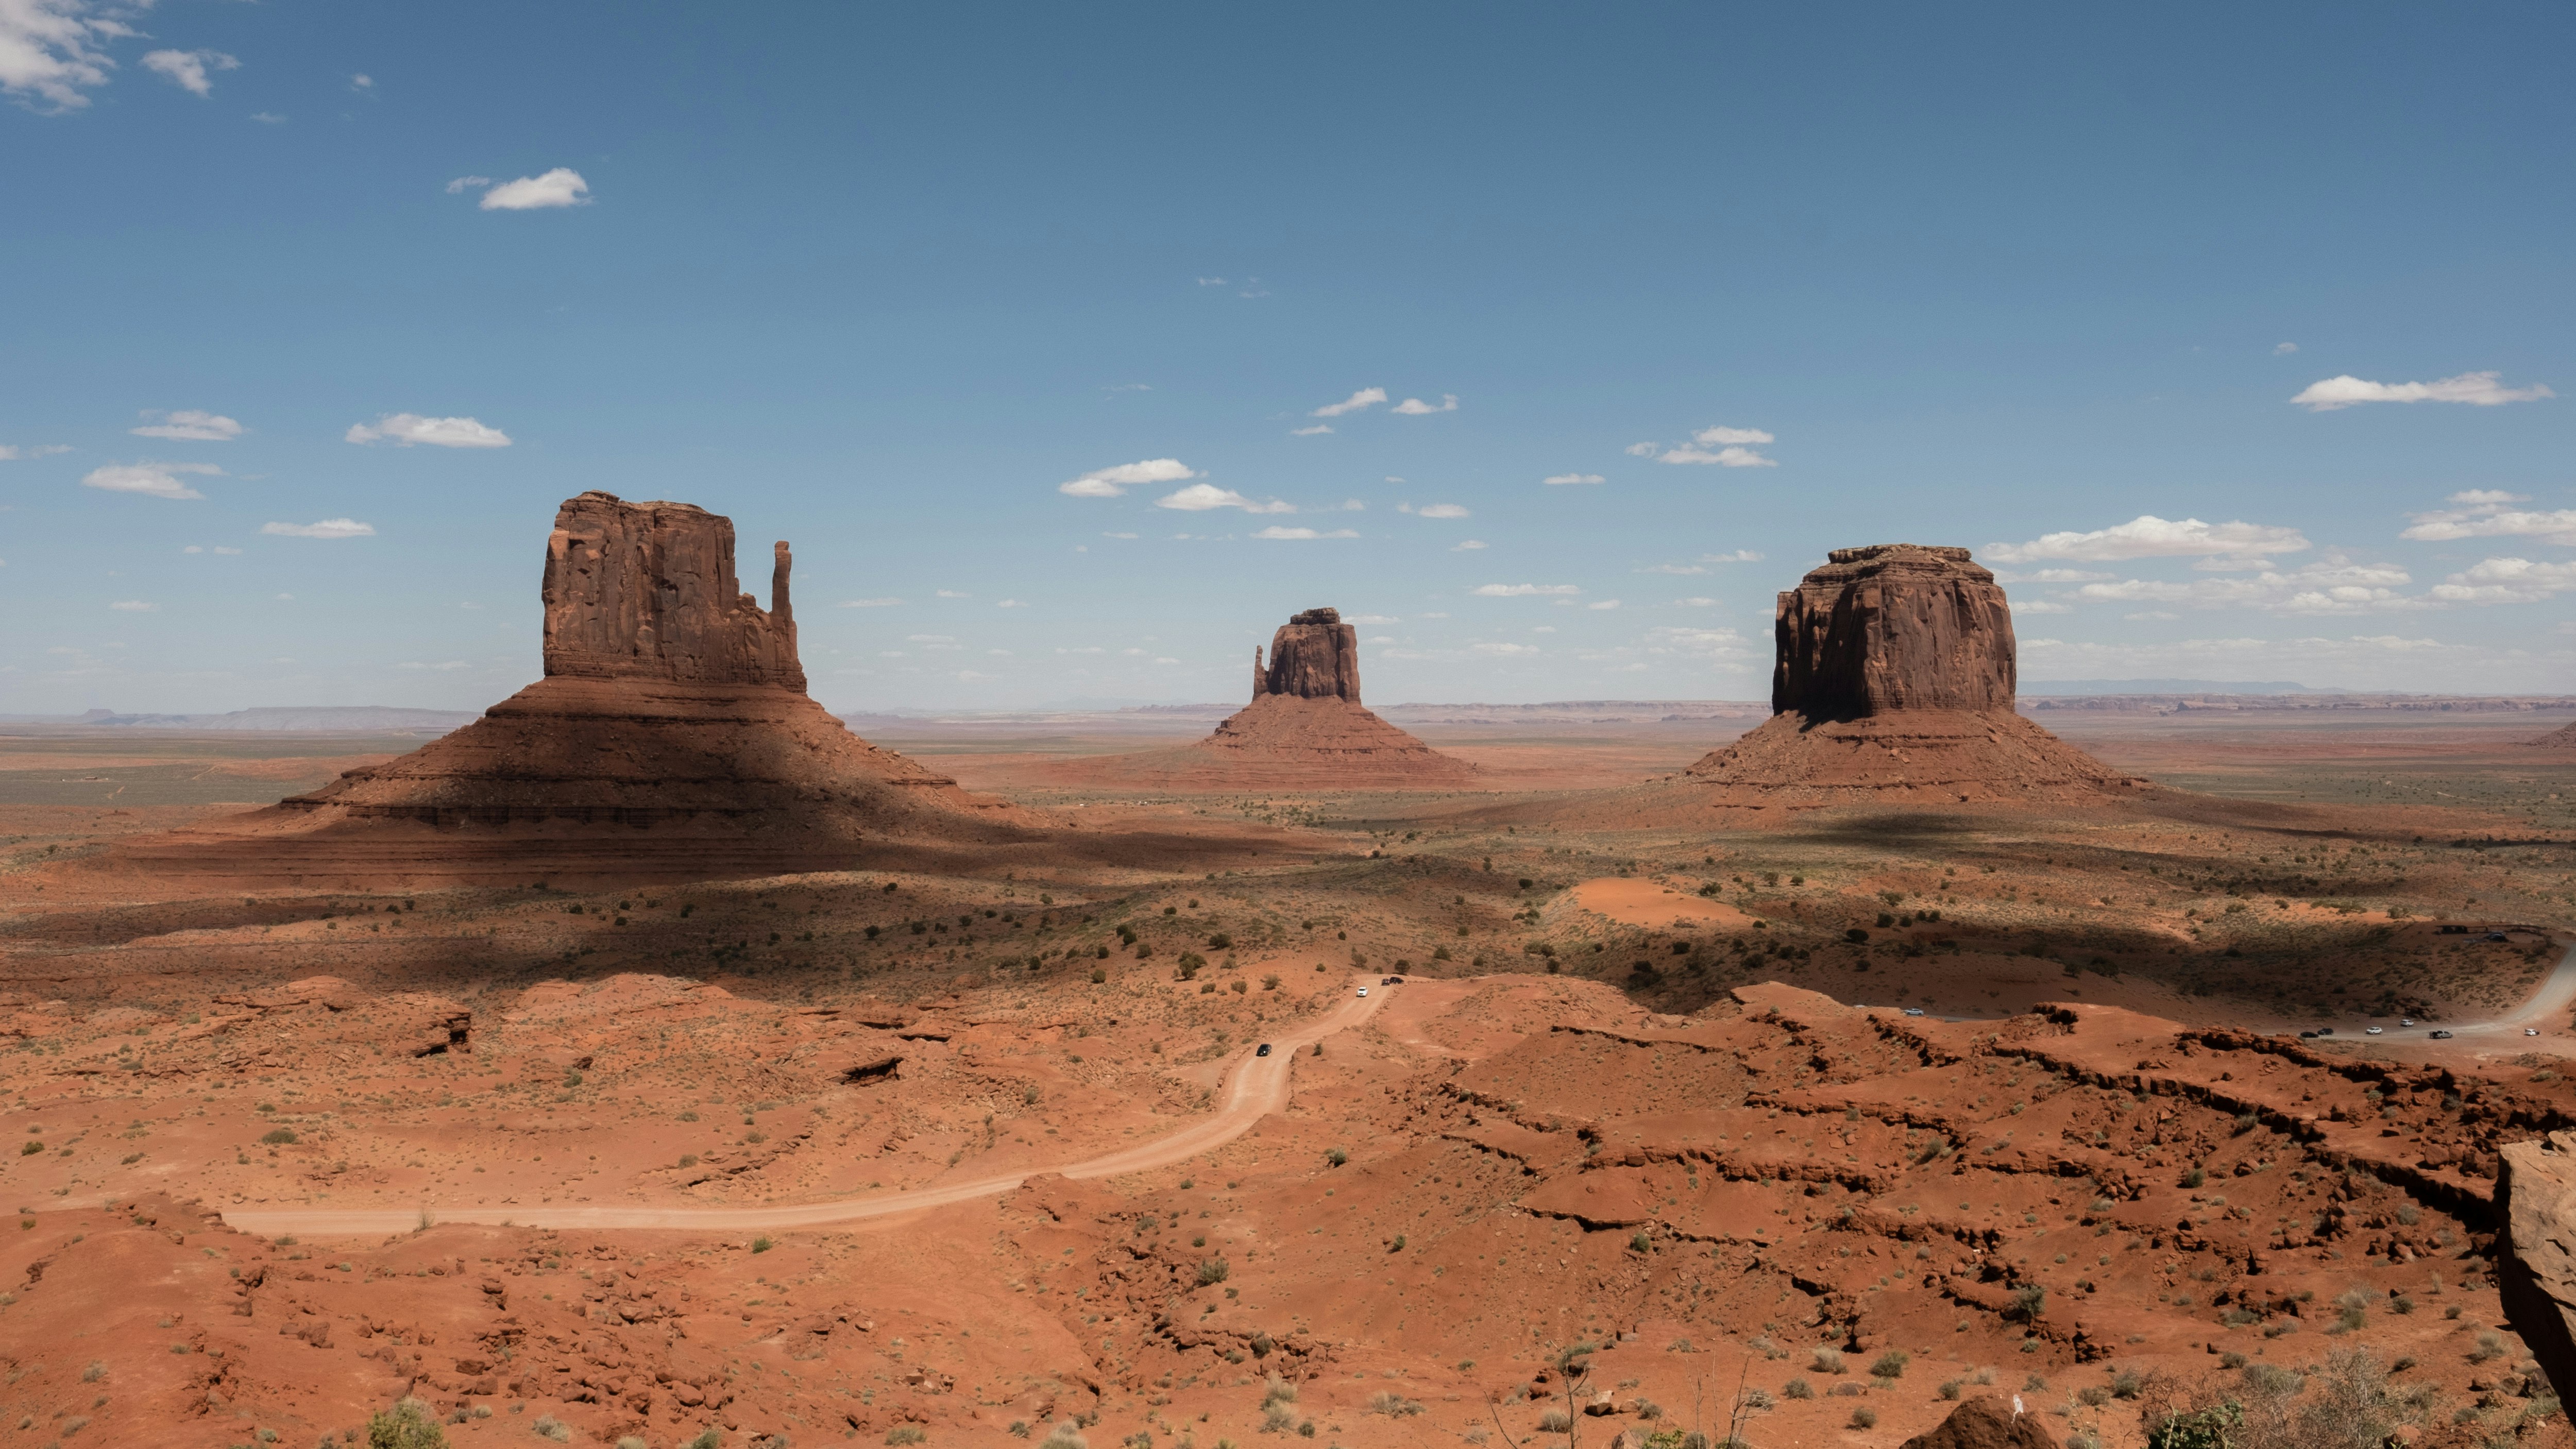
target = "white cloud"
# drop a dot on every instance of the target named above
(189, 425)
(1467, 545)
(1009, 604)
(2478, 389)
(1118, 535)
(268, 118)
(1441, 510)
(362, 82)
(1723, 645)
(884, 603)
(1560, 480)
(1522, 591)
(954, 594)
(1275, 531)
(2148, 536)
(1642, 450)
(327, 528)
(2039, 606)
(2156, 616)
(2284, 349)
(187, 68)
(1310, 432)
(1114, 482)
(134, 606)
(160, 480)
(1698, 602)
(1723, 457)
(562, 186)
(2482, 513)
(1414, 407)
(1741, 555)
(1211, 281)
(223, 549)
(1603, 604)
(1717, 437)
(410, 428)
(2506, 581)
(1372, 619)
(1672, 569)
(49, 52)
(1201, 497)
(1505, 651)
(42, 450)
(462, 184)
(2331, 585)
(193, 548)
(1367, 397)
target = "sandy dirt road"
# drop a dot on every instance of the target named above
(1254, 1088)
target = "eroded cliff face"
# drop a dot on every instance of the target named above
(2536, 1185)
(1894, 626)
(647, 591)
(1313, 656)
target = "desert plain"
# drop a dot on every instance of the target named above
(1801, 1130)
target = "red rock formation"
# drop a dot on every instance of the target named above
(1893, 683)
(670, 739)
(1985, 1423)
(1303, 730)
(2561, 738)
(1889, 627)
(647, 591)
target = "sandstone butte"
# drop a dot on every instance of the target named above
(2561, 738)
(1892, 684)
(1305, 729)
(671, 737)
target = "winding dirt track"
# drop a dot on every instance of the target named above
(1255, 1087)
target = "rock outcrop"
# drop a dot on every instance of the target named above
(1893, 683)
(670, 739)
(2561, 738)
(1304, 729)
(2536, 1187)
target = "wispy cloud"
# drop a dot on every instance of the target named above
(1275, 531)
(2284, 349)
(187, 68)
(2330, 585)
(1562, 480)
(1741, 555)
(41, 450)
(2487, 513)
(1201, 497)
(1467, 545)
(2478, 389)
(1721, 436)
(189, 425)
(2148, 536)
(463, 184)
(135, 606)
(1367, 397)
(1310, 432)
(1672, 569)
(441, 665)
(2049, 576)
(1723, 457)
(954, 594)
(1433, 510)
(1414, 407)
(1520, 591)
(327, 528)
(157, 480)
(1731, 449)
(884, 603)
(1603, 604)
(407, 429)
(1505, 650)
(562, 186)
(1114, 482)
(1008, 604)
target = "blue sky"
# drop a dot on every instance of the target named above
(384, 283)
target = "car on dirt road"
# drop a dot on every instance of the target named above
(1262, 1051)
(2441, 1035)
(1363, 991)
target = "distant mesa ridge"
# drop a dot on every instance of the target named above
(670, 738)
(1893, 682)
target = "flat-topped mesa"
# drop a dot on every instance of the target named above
(1313, 656)
(1894, 626)
(647, 591)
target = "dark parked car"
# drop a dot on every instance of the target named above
(1263, 1050)
(2440, 1035)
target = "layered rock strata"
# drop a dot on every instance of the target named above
(1892, 682)
(671, 738)
(2536, 1187)
(1304, 729)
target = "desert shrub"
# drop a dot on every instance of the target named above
(2028, 1302)
(1950, 1389)
(1064, 1436)
(1278, 1391)
(1642, 1242)
(1891, 1364)
(550, 1427)
(712, 1438)
(2490, 1346)
(2194, 1177)
(2353, 1305)
(1797, 1389)
(1555, 1421)
(407, 1425)
(1826, 1360)
(907, 1434)
(1337, 1156)
(762, 1245)
(2128, 1384)
(1394, 1406)
(1212, 1272)
(279, 1136)
(1220, 942)
(2092, 1396)
(1864, 1419)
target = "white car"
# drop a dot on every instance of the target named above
(1363, 991)
(2531, 1031)
(2374, 1031)
(2405, 1021)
